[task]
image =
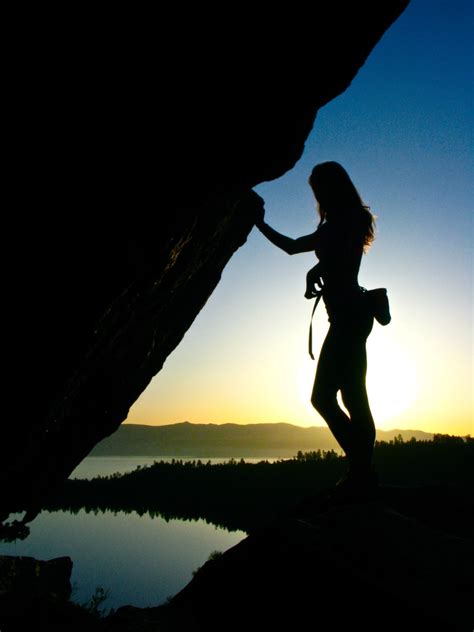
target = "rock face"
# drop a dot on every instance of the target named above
(132, 168)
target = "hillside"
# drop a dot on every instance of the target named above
(226, 440)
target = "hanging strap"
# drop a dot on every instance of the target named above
(310, 340)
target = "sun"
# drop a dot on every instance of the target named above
(392, 383)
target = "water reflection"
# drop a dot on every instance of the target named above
(140, 559)
(234, 495)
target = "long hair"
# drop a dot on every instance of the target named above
(339, 201)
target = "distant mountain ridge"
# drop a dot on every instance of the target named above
(227, 440)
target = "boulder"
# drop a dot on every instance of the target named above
(35, 595)
(355, 565)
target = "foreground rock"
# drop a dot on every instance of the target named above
(34, 595)
(359, 565)
(137, 143)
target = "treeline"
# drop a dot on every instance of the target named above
(234, 495)
(446, 459)
(240, 495)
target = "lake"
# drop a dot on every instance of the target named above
(140, 560)
(106, 465)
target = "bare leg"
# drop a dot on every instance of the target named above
(342, 366)
(354, 396)
(324, 395)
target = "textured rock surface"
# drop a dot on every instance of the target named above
(132, 170)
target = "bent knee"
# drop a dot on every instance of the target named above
(323, 402)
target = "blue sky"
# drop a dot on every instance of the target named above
(403, 131)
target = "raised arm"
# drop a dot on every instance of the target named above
(307, 243)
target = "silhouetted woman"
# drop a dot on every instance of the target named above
(345, 231)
